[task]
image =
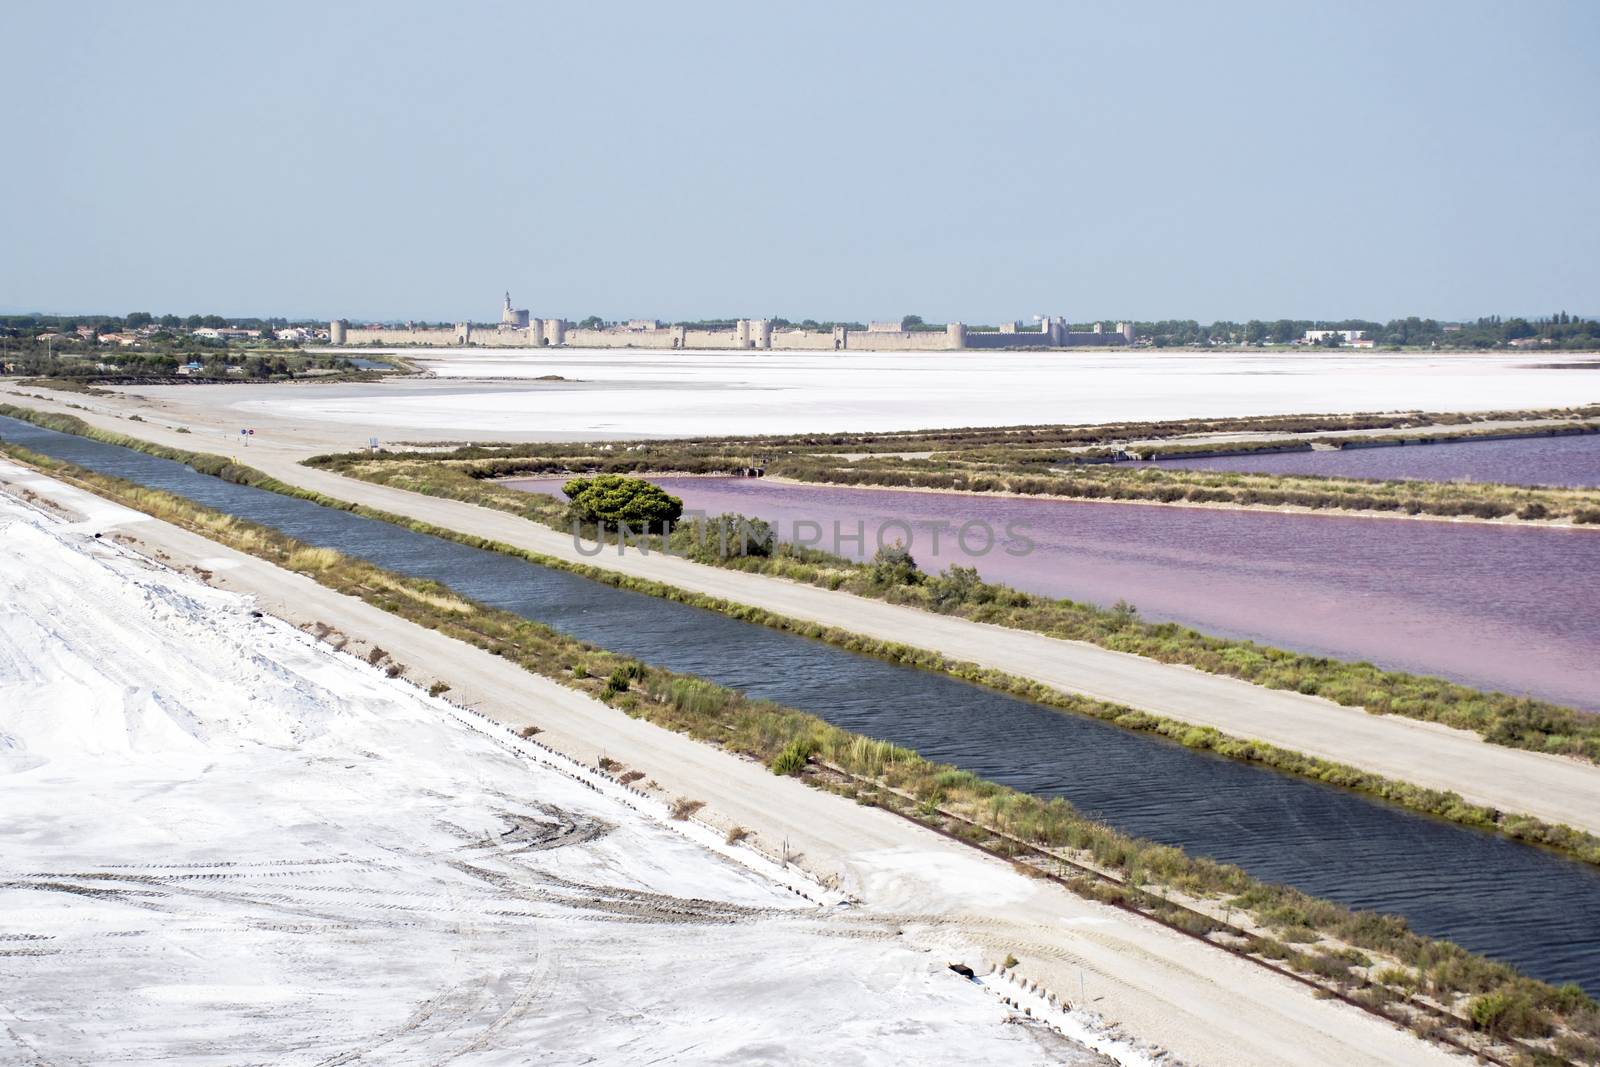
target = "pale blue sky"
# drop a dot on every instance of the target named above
(832, 160)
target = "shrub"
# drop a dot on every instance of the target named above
(616, 499)
(723, 537)
(955, 587)
(1123, 614)
(893, 565)
(683, 807)
(1512, 1014)
(1533, 510)
(438, 688)
(794, 756)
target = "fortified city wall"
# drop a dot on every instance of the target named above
(745, 334)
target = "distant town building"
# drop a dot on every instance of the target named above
(1349, 337)
(513, 318)
(518, 329)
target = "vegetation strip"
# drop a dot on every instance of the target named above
(1485, 501)
(1448, 805)
(1201, 450)
(1525, 1016)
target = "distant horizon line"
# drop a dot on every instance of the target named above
(15, 310)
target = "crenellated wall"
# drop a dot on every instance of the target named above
(746, 334)
(433, 336)
(803, 340)
(664, 338)
(898, 341)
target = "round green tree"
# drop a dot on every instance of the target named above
(615, 499)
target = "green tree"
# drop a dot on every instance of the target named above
(615, 499)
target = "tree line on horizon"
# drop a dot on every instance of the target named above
(1560, 330)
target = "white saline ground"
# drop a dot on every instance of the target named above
(632, 394)
(223, 843)
(1140, 978)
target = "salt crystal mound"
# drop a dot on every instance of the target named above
(224, 841)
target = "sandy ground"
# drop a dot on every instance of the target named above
(1553, 788)
(226, 843)
(1204, 1006)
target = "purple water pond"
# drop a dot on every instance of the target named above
(1498, 607)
